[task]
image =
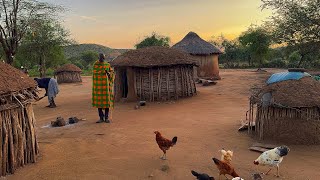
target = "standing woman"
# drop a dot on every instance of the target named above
(102, 88)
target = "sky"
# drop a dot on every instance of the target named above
(123, 23)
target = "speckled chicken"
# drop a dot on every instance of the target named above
(164, 144)
(202, 176)
(272, 158)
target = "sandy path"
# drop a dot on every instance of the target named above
(126, 149)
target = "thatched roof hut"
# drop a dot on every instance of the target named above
(287, 111)
(68, 73)
(206, 53)
(154, 74)
(17, 121)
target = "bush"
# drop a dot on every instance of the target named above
(275, 63)
(34, 72)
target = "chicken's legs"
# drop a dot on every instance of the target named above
(278, 170)
(268, 172)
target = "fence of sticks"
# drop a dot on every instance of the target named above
(17, 121)
(164, 83)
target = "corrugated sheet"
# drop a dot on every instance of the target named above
(283, 76)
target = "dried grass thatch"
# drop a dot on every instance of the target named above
(194, 45)
(68, 73)
(155, 56)
(12, 79)
(287, 112)
(17, 121)
(304, 92)
(68, 68)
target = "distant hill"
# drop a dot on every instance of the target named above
(76, 49)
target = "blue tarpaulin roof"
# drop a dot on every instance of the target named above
(283, 76)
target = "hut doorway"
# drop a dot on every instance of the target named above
(124, 83)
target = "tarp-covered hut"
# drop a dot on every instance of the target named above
(287, 111)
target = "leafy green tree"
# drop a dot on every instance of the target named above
(16, 17)
(42, 45)
(154, 40)
(296, 23)
(257, 41)
(88, 58)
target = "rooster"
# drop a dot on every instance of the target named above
(225, 168)
(272, 157)
(164, 144)
(203, 176)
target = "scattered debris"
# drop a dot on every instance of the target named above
(99, 134)
(261, 70)
(136, 107)
(259, 147)
(257, 176)
(245, 125)
(73, 120)
(59, 122)
(165, 168)
(142, 103)
(206, 82)
(139, 104)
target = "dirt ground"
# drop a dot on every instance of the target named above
(126, 148)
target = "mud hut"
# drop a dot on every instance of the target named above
(17, 121)
(68, 73)
(154, 74)
(206, 54)
(287, 112)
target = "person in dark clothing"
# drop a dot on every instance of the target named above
(51, 87)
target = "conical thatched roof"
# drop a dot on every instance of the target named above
(193, 44)
(68, 68)
(304, 92)
(153, 56)
(12, 79)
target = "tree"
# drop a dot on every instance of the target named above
(16, 16)
(154, 40)
(296, 23)
(43, 43)
(257, 40)
(89, 57)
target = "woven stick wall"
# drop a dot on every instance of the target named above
(17, 132)
(289, 125)
(68, 77)
(164, 83)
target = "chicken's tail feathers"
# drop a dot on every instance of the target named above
(216, 161)
(174, 140)
(194, 173)
(234, 174)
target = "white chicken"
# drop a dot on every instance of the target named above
(237, 178)
(272, 157)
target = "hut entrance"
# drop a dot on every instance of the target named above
(124, 83)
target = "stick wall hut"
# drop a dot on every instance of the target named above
(17, 121)
(68, 73)
(154, 74)
(206, 54)
(287, 112)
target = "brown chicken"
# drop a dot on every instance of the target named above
(164, 144)
(225, 168)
